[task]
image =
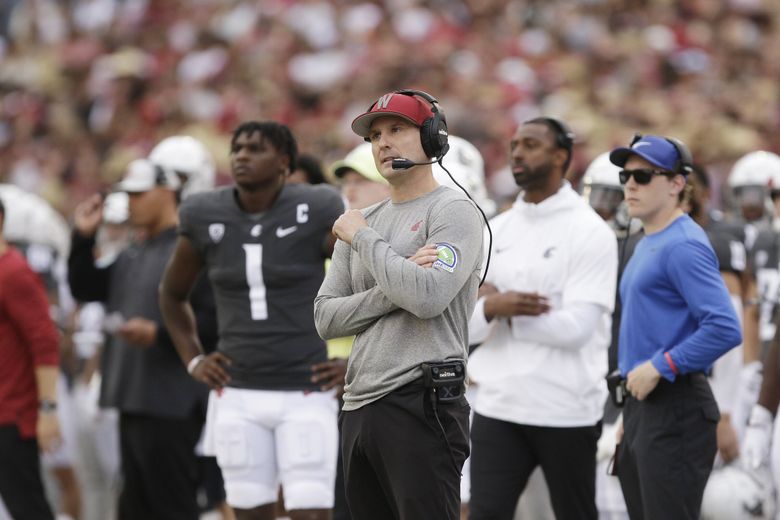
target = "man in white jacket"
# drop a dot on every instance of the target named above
(544, 322)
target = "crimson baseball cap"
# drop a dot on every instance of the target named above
(411, 108)
(656, 150)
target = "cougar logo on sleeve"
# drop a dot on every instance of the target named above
(216, 232)
(447, 258)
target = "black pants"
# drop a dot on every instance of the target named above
(396, 461)
(504, 455)
(159, 467)
(668, 449)
(20, 476)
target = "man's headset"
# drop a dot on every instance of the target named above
(684, 164)
(433, 131)
(434, 139)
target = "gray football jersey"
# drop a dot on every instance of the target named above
(728, 242)
(265, 270)
(764, 261)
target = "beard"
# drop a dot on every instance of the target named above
(530, 177)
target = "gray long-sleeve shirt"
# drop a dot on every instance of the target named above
(402, 314)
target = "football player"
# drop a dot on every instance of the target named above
(263, 245)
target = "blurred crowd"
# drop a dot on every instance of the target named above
(88, 85)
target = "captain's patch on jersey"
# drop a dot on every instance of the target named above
(446, 258)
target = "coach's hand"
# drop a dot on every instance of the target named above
(211, 370)
(47, 431)
(728, 443)
(332, 374)
(425, 256)
(514, 303)
(348, 224)
(89, 215)
(643, 380)
(138, 331)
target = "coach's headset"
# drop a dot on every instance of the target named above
(434, 140)
(433, 131)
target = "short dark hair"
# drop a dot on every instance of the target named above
(277, 134)
(564, 137)
(2, 209)
(312, 168)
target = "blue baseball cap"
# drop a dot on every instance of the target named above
(656, 150)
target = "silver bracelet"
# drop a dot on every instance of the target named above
(194, 363)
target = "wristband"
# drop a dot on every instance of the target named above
(47, 406)
(671, 363)
(194, 363)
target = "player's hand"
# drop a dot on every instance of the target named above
(138, 331)
(211, 370)
(642, 380)
(425, 256)
(728, 444)
(758, 436)
(348, 224)
(514, 303)
(332, 374)
(88, 215)
(47, 431)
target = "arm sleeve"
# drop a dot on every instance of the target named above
(426, 292)
(338, 311)
(568, 328)
(87, 282)
(693, 270)
(479, 326)
(28, 309)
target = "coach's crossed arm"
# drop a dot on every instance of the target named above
(339, 312)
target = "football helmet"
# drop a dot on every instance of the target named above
(602, 190)
(32, 220)
(734, 493)
(190, 159)
(751, 180)
(467, 166)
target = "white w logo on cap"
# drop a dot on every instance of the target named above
(383, 102)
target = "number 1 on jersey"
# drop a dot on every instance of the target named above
(254, 278)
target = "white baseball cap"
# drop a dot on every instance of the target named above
(143, 175)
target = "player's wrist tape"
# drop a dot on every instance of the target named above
(194, 362)
(760, 416)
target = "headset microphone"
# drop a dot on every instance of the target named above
(405, 164)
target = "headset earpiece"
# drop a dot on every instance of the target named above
(684, 164)
(433, 132)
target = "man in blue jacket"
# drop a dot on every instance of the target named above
(677, 319)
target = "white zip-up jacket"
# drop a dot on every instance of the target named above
(547, 370)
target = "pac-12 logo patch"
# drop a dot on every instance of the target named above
(216, 232)
(446, 258)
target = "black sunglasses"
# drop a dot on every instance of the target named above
(642, 175)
